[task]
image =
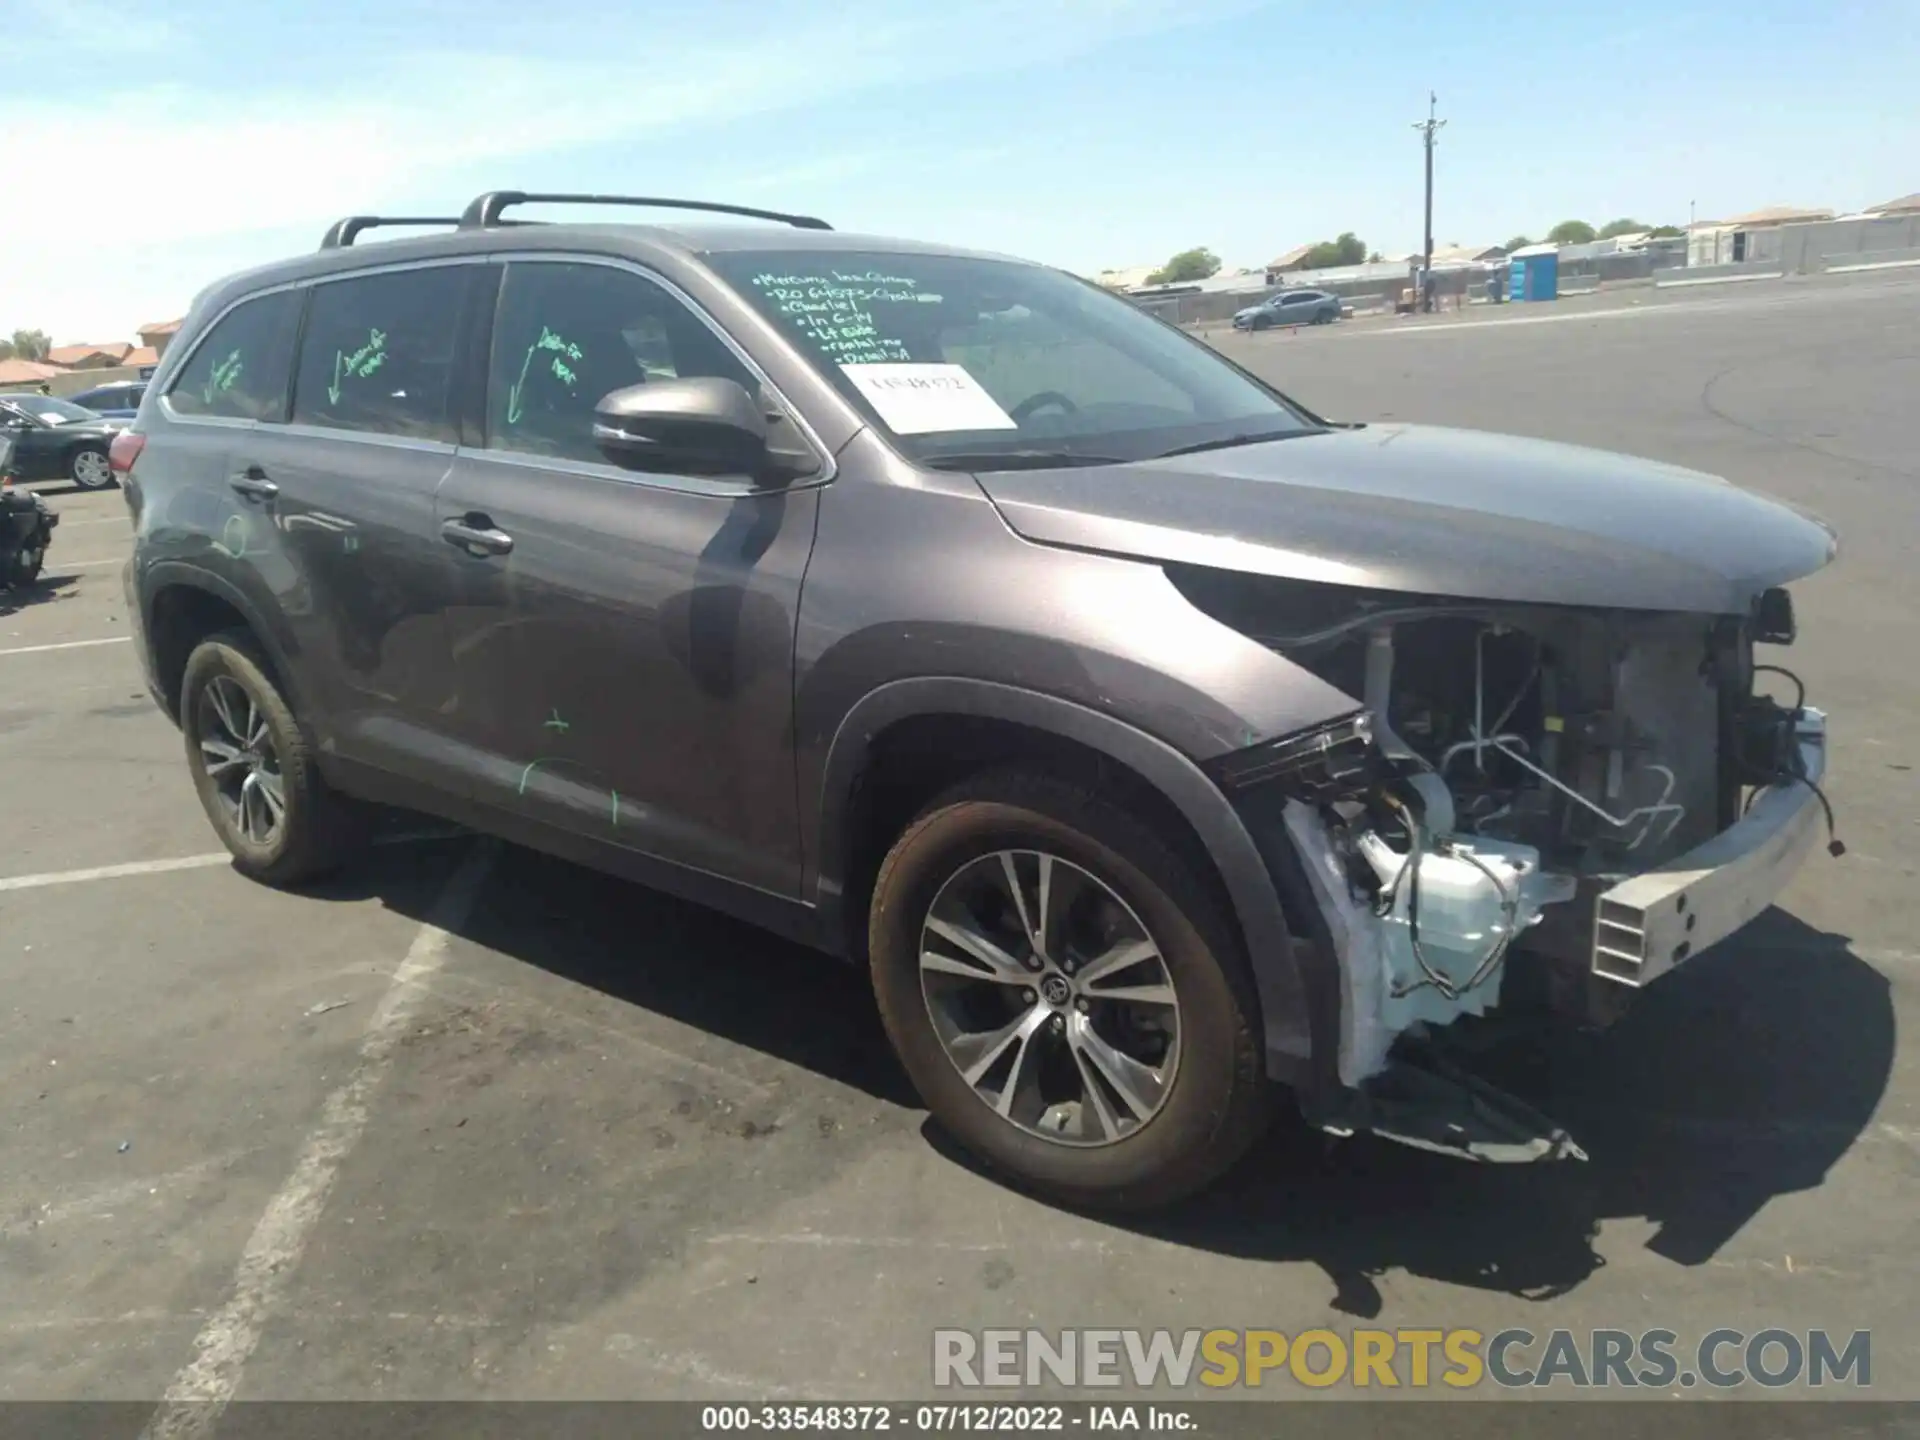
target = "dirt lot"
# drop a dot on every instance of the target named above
(474, 1123)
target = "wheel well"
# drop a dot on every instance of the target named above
(183, 616)
(913, 760)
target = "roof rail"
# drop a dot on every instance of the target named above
(342, 232)
(484, 212)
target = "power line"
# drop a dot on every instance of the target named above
(1427, 129)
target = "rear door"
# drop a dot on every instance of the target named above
(625, 639)
(349, 480)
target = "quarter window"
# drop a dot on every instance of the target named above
(239, 371)
(379, 353)
(567, 335)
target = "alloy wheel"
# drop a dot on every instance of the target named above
(1050, 997)
(238, 754)
(91, 471)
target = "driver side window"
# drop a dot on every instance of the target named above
(568, 333)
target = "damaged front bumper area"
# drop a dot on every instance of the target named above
(1528, 817)
(1646, 925)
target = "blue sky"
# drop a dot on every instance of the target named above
(1085, 133)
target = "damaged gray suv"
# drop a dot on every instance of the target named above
(1164, 750)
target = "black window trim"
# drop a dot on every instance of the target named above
(376, 437)
(177, 371)
(606, 470)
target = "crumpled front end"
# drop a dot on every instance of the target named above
(1533, 811)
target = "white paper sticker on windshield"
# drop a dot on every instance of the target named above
(919, 399)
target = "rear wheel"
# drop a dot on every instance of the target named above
(1067, 995)
(25, 566)
(88, 468)
(254, 770)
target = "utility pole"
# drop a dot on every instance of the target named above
(1427, 128)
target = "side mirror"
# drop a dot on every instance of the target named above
(695, 426)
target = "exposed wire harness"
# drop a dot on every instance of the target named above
(1410, 872)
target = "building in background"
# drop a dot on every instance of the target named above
(18, 375)
(89, 357)
(1728, 242)
(158, 334)
(1905, 205)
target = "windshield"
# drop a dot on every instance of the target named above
(50, 411)
(977, 363)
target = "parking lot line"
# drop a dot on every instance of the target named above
(199, 1394)
(424, 836)
(65, 645)
(114, 872)
(85, 564)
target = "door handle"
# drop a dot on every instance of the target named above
(254, 484)
(476, 535)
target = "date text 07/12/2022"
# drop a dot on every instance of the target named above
(948, 1419)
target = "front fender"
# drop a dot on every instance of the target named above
(1284, 1011)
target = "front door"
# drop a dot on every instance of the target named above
(626, 639)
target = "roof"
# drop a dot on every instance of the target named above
(1451, 254)
(1778, 215)
(21, 372)
(648, 243)
(1545, 247)
(1126, 277)
(1906, 204)
(1292, 257)
(160, 327)
(74, 354)
(141, 355)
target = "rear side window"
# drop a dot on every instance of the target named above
(239, 371)
(379, 353)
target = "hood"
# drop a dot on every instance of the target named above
(1422, 509)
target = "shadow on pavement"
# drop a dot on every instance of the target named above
(674, 959)
(1744, 1076)
(50, 587)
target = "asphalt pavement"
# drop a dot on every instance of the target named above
(473, 1123)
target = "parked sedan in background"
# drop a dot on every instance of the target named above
(56, 439)
(1290, 307)
(116, 400)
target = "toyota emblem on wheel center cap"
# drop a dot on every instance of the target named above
(1056, 989)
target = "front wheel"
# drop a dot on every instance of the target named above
(254, 769)
(90, 469)
(1067, 995)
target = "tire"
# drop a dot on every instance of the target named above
(1261, 322)
(1215, 1101)
(88, 468)
(315, 829)
(24, 568)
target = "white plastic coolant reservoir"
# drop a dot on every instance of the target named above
(1463, 915)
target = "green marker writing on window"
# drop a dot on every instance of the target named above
(565, 351)
(222, 377)
(364, 361)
